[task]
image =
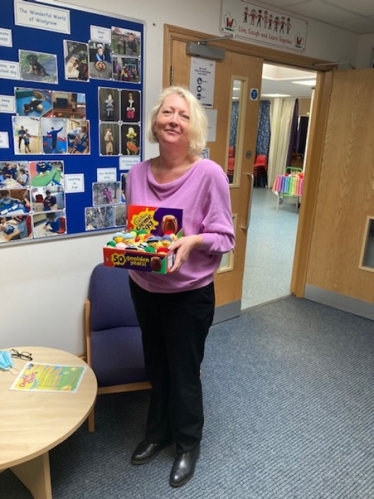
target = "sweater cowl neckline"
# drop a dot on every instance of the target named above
(172, 186)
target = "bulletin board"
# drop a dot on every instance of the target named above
(71, 106)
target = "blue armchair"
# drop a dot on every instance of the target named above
(113, 336)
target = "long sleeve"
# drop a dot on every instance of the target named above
(203, 195)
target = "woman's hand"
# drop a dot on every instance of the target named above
(183, 248)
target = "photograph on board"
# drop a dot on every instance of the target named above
(132, 39)
(109, 104)
(69, 105)
(100, 58)
(26, 135)
(99, 217)
(33, 103)
(15, 228)
(46, 173)
(47, 224)
(78, 136)
(123, 186)
(130, 140)
(54, 135)
(109, 139)
(120, 215)
(12, 202)
(76, 61)
(130, 106)
(106, 193)
(119, 40)
(38, 66)
(14, 174)
(51, 198)
(126, 69)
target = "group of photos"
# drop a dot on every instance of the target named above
(50, 122)
(118, 60)
(119, 116)
(32, 200)
(109, 205)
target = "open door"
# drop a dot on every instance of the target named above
(237, 77)
(339, 192)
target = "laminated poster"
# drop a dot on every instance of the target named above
(49, 378)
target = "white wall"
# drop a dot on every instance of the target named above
(43, 285)
(365, 51)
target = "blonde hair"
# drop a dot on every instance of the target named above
(198, 129)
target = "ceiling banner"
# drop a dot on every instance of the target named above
(254, 22)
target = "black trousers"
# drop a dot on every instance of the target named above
(174, 328)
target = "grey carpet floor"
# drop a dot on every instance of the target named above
(289, 404)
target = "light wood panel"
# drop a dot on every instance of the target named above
(248, 70)
(345, 195)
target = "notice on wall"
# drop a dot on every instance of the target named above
(202, 80)
(6, 37)
(74, 182)
(41, 17)
(126, 162)
(102, 35)
(106, 174)
(4, 140)
(255, 22)
(7, 104)
(9, 70)
(212, 115)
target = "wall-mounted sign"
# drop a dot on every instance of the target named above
(41, 17)
(7, 104)
(202, 80)
(4, 140)
(253, 94)
(6, 37)
(256, 22)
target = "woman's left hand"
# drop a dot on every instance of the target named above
(183, 248)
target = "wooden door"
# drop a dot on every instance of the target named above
(236, 70)
(344, 192)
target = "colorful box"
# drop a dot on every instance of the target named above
(157, 223)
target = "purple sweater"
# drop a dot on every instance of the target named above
(203, 195)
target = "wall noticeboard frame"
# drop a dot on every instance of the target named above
(71, 109)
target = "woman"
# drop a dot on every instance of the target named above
(176, 310)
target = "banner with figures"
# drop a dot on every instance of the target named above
(254, 22)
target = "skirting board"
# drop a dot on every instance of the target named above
(226, 312)
(341, 302)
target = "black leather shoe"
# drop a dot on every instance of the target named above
(184, 467)
(146, 451)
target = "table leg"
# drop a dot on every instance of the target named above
(35, 475)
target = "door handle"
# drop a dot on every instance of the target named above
(251, 179)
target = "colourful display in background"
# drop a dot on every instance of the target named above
(71, 128)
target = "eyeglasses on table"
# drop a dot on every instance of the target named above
(20, 355)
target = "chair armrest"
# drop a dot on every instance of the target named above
(87, 329)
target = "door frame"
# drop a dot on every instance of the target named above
(319, 115)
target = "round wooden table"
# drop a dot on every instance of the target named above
(33, 422)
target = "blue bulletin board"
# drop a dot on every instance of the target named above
(71, 106)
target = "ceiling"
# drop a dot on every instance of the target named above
(356, 16)
(278, 81)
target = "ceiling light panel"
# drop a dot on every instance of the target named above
(310, 83)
